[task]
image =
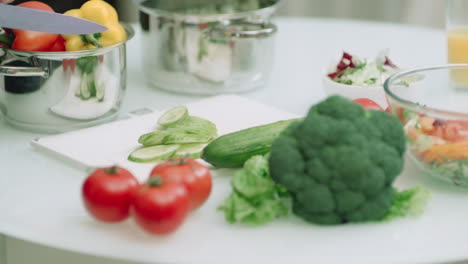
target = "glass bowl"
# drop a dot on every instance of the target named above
(432, 104)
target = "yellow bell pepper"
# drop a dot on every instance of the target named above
(100, 12)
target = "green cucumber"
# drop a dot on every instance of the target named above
(173, 116)
(154, 153)
(190, 150)
(232, 150)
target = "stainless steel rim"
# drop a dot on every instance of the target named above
(263, 30)
(207, 17)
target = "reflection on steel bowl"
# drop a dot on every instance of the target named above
(54, 92)
(202, 47)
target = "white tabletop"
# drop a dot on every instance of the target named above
(31, 181)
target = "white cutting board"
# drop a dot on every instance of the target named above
(111, 143)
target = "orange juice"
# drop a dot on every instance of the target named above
(457, 44)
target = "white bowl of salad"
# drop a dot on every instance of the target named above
(355, 77)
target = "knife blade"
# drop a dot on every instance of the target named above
(17, 17)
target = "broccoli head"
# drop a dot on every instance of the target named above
(339, 162)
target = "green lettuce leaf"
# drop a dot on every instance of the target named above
(411, 202)
(255, 199)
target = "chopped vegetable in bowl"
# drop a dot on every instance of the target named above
(354, 77)
(442, 145)
(434, 113)
(352, 70)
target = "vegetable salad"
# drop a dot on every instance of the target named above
(441, 145)
(352, 70)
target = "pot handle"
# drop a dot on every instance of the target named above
(244, 30)
(23, 71)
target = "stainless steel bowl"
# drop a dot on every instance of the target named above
(204, 47)
(54, 92)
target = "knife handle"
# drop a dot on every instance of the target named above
(23, 71)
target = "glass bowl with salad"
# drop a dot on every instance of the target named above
(432, 104)
(355, 77)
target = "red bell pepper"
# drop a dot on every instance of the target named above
(36, 41)
(59, 45)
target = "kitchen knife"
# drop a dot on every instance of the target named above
(37, 20)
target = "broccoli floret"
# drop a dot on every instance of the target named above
(339, 163)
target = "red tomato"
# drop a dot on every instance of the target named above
(107, 193)
(368, 104)
(195, 177)
(59, 45)
(388, 110)
(160, 207)
(452, 131)
(32, 40)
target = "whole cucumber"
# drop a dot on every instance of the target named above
(232, 150)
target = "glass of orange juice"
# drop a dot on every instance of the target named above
(457, 39)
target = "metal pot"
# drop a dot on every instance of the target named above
(54, 92)
(194, 47)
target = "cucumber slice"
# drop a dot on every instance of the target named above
(173, 136)
(196, 125)
(190, 150)
(172, 116)
(144, 137)
(154, 153)
(180, 136)
(153, 138)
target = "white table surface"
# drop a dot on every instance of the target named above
(304, 46)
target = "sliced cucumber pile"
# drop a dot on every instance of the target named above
(179, 135)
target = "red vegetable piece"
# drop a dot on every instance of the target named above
(160, 207)
(186, 171)
(69, 64)
(107, 193)
(27, 40)
(59, 45)
(389, 63)
(345, 62)
(368, 104)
